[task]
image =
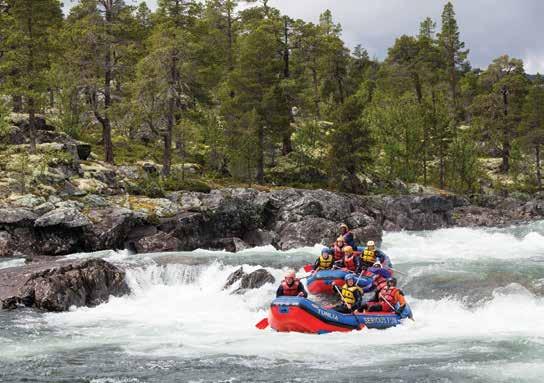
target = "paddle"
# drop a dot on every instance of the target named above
(343, 300)
(392, 308)
(397, 271)
(262, 324)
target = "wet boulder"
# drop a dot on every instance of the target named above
(253, 280)
(58, 286)
(158, 242)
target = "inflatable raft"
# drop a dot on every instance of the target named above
(323, 282)
(302, 315)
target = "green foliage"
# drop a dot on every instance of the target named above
(253, 96)
(350, 141)
(176, 183)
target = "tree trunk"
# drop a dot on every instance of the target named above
(538, 169)
(106, 125)
(17, 102)
(287, 145)
(417, 86)
(32, 124)
(170, 118)
(441, 149)
(230, 36)
(316, 93)
(260, 155)
(453, 88)
(506, 145)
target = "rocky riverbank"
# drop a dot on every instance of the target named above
(233, 219)
(62, 200)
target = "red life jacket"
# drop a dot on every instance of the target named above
(388, 294)
(338, 255)
(349, 263)
(380, 282)
(290, 290)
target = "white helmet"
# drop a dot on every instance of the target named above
(370, 244)
(377, 264)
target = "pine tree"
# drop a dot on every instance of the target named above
(27, 44)
(533, 124)
(498, 109)
(97, 49)
(453, 53)
(351, 141)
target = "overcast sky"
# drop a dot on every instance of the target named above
(490, 28)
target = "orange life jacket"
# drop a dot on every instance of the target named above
(388, 294)
(290, 290)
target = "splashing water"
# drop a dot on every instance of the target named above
(178, 324)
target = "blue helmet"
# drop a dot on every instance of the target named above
(325, 250)
(349, 277)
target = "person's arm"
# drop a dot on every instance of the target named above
(302, 290)
(399, 296)
(316, 264)
(384, 259)
(279, 291)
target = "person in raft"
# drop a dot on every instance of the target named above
(325, 261)
(346, 233)
(351, 261)
(389, 299)
(370, 254)
(337, 249)
(352, 296)
(379, 276)
(291, 286)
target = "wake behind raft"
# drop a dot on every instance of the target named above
(299, 314)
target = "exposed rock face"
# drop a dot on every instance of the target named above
(58, 286)
(234, 219)
(253, 280)
(158, 242)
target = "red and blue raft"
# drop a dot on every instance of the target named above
(323, 281)
(297, 314)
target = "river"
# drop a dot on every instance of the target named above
(476, 294)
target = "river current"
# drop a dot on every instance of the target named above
(477, 297)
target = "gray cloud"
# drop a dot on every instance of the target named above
(490, 28)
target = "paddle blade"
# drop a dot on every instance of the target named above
(308, 268)
(262, 324)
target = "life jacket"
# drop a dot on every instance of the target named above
(388, 294)
(325, 263)
(349, 263)
(380, 282)
(338, 254)
(290, 290)
(369, 256)
(348, 293)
